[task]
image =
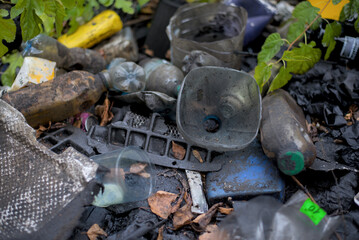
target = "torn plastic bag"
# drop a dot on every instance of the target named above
(265, 218)
(42, 194)
(155, 101)
(260, 12)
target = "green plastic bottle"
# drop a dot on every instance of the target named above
(284, 135)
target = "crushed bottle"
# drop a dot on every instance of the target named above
(72, 93)
(46, 47)
(284, 135)
(162, 76)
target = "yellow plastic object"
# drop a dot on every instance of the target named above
(99, 28)
(331, 11)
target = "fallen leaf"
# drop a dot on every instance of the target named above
(95, 231)
(161, 203)
(144, 174)
(160, 233)
(197, 155)
(212, 233)
(200, 223)
(178, 151)
(41, 130)
(226, 211)
(184, 215)
(77, 123)
(104, 111)
(138, 167)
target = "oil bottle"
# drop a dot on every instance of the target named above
(283, 133)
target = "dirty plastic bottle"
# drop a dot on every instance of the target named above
(283, 133)
(162, 76)
(46, 47)
(69, 94)
(198, 58)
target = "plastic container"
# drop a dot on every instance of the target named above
(162, 76)
(34, 70)
(197, 59)
(125, 76)
(284, 135)
(46, 47)
(265, 218)
(217, 29)
(122, 45)
(219, 108)
(97, 29)
(130, 178)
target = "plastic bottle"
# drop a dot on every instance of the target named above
(43, 46)
(283, 133)
(69, 94)
(162, 76)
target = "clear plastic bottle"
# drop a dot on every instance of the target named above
(72, 93)
(162, 76)
(284, 134)
(46, 47)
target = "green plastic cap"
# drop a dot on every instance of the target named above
(291, 163)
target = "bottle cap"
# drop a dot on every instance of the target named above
(291, 163)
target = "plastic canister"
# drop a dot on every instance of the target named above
(217, 29)
(130, 178)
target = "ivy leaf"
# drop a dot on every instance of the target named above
(332, 30)
(15, 60)
(349, 10)
(262, 73)
(4, 13)
(125, 5)
(304, 11)
(270, 47)
(30, 24)
(335, 2)
(291, 56)
(68, 3)
(309, 51)
(106, 3)
(281, 79)
(7, 33)
(59, 17)
(295, 30)
(17, 9)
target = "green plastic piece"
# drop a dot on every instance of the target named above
(291, 163)
(313, 211)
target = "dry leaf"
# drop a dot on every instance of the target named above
(104, 112)
(41, 130)
(178, 151)
(144, 174)
(161, 203)
(77, 123)
(160, 233)
(226, 211)
(201, 222)
(137, 167)
(212, 233)
(184, 215)
(197, 155)
(95, 231)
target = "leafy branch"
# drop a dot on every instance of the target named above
(298, 60)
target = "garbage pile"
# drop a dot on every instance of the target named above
(156, 128)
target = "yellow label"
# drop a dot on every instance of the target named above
(331, 11)
(99, 28)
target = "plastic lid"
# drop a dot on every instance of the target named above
(291, 163)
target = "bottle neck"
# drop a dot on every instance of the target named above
(105, 77)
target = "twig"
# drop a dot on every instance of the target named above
(306, 29)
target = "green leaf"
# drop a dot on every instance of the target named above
(281, 79)
(270, 47)
(17, 9)
(295, 30)
(335, 2)
(262, 73)
(15, 60)
(349, 10)
(68, 3)
(356, 25)
(59, 17)
(304, 11)
(7, 33)
(142, 2)
(106, 3)
(291, 56)
(30, 24)
(313, 54)
(125, 6)
(4, 13)
(332, 30)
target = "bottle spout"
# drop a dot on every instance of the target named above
(291, 162)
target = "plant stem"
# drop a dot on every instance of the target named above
(306, 29)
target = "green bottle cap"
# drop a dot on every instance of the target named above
(291, 163)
